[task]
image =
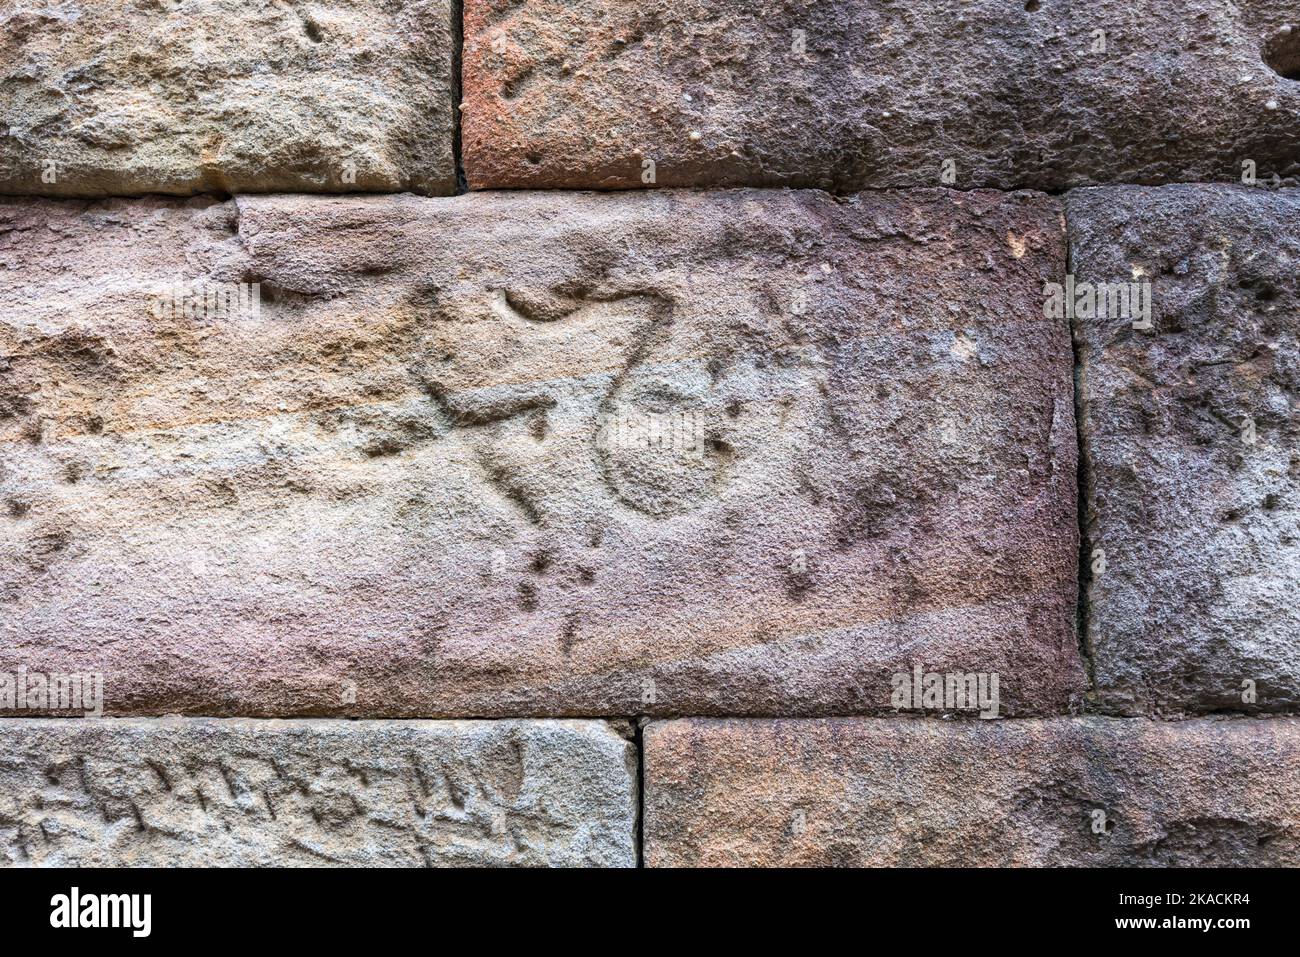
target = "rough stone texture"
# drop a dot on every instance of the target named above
(562, 93)
(207, 792)
(1200, 526)
(186, 96)
(848, 792)
(391, 482)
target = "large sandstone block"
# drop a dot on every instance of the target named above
(1064, 792)
(1192, 443)
(538, 454)
(113, 97)
(847, 94)
(240, 793)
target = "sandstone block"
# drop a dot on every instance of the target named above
(104, 97)
(1065, 792)
(846, 95)
(536, 454)
(1191, 430)
(238, 793)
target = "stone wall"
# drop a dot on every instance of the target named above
(785, 433)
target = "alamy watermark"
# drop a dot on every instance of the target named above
(208, 301)
(921, 690)
(679, 433)
(1101, 300)
(75, 909)
(36, 691)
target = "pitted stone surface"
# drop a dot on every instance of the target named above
(1064, 792)
(123, 97)
(238, 793)
(848, 94)
(539, 454)
(1192, 435)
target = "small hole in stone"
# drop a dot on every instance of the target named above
(1282, 53)
(1032, 6)
(1264, 290)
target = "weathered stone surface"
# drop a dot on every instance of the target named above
(391, 494)
(156, 96)
(211, 792)
(563, 93)
(1064, 792)
(1192, 441)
